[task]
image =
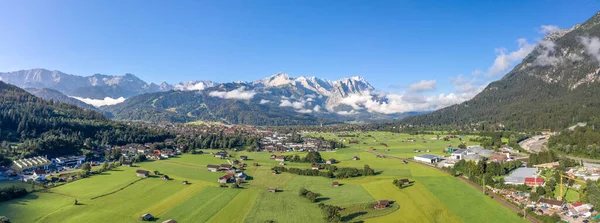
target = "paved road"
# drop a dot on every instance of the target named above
(534, 145)
(499, 199)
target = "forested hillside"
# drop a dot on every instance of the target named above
(33, 126)
(188, 106)
(556, 85)
(582, 142)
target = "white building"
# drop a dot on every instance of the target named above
(459, 154)
(428, 158)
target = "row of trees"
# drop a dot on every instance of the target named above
(311, 157)
(331, 171)
(8, 193)
(311, 196)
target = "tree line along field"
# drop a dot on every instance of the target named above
(120, 196)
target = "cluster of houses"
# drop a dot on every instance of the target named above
(132, 150)
(281, 143)
(471, 153)
(587, 173)
(232, 174)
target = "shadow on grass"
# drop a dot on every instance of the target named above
(353, 216)
(322, 199)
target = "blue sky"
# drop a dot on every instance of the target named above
(393, 44)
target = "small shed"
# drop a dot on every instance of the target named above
(335, 184)
(170, 221)
(244, 157)
(164, 177)
(185, 182)
(142, 173)
(126, 164)
(274, 172)
(147, 217)
(255, 164)
(272, 189)
(355, 158)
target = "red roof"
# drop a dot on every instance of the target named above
(227, 176)
(534, 181)
(577, 204)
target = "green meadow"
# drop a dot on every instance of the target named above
(120, 196)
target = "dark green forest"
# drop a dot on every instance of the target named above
(33, 126)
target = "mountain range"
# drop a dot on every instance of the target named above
(556, 85)
(275, 100)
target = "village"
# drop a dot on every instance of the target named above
(518, 185)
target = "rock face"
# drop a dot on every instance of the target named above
(556, 85)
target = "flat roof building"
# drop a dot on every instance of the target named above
(518, 176)
(428, 158)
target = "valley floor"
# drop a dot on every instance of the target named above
(120, 196)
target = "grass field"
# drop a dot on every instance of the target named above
(120, 196)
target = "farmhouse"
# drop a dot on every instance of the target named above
(39, 174)
(244, 157)
(212, 168)
(142, 173)
(518, 176)
(330, 161)
(221, 155)
(280, 158)
(381, 204)
(164, 177)
(335, 184)
(272, 189)
(226, 179)
(534, 181)
(274, 172)
(125, 163)
(550, 202)
(428, 158)
(273, 156)
(355, 158)
(241, 176)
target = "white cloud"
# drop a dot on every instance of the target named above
(476, 72)
(295, 104)
(355, 100)
(505, 60)
(305, 111)
(592, 46)
(263, 101)
(351, 112)
(100, 102)
(546, 56)
(423, 85)
(239, 93)
(547, 29)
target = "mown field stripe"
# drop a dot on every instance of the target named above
(174, 200)
(237, 209)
